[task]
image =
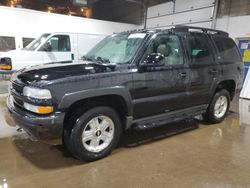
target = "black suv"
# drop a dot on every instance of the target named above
(139, 79)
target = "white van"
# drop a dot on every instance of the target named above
(56, 47)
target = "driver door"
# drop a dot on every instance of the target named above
(57, 49)
(161, 89)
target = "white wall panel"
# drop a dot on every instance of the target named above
(190, 17)
(182, 5)
(161, 9)
(245, 92)
(20, 23)
(237, 27)
(244, 109)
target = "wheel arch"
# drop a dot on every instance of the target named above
(229, 85)
(118, 99)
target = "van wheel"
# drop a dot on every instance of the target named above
(93, 134)
(218, 108)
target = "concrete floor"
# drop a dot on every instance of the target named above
(185, 154)
(3, 85)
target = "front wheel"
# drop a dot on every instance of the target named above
(94, 134)
(218, 108)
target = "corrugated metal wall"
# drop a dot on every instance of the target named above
(188, 12)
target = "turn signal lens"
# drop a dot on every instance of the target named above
(5, 67)
(38, 109)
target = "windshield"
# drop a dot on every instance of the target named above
(117, 49)
(35, 43)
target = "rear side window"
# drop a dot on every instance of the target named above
(227, 49)
(7, 43)
(199, 49)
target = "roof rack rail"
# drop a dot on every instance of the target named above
(185, 28)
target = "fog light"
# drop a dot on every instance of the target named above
(38, 109)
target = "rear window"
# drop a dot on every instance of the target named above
(227, 49)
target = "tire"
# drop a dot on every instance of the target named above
(212, 114)
(102, 129)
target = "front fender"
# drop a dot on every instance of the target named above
(70, 98)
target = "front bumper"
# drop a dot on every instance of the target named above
(47, 129)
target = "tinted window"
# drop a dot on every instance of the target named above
(199, 49)
(169, 46)
(60, 43)
(27, 41)
(227, 48)
(7, 43)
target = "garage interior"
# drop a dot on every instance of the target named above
(189, 153)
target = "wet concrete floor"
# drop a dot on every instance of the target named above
(185, 154)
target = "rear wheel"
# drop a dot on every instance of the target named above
(93, 134)
(218, 108)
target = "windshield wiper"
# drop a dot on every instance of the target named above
(102, 59)
(87, 58)
(98, 59)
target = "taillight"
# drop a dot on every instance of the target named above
(5, 64)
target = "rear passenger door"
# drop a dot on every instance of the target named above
(204, 70)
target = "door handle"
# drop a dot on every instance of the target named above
(72, 57)
(183, 74)
(213, 71)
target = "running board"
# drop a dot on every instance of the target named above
(165, 118)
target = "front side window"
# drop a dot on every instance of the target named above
(169, 46)
(37, 42)
(227, 48)
(117, 49)
(199, 49)
(27, 41)
(59, 43)
(7, 43)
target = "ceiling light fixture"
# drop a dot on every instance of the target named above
(50, 9)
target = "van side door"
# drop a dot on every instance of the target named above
(57, 49)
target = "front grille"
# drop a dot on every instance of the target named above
(17, 93)
(17, 101)
(17, 87)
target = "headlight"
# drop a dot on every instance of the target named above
(38, 109)
(36, 93)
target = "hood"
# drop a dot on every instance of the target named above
(53, 71)
(15, 53)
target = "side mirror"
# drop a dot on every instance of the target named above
(153, 60)
(46, 47)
